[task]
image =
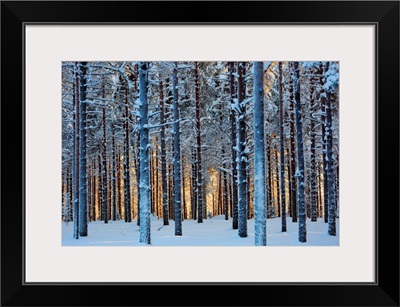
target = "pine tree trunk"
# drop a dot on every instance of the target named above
(194, 184)
(113, 178)
(83, 221)
(152, 182)
(293, 190)
(199, 174)
(183, 190)
(144, 185)
(300, 155)
(119, 183)
(219, 198)
(137, 168)
(76, 160)
(282, 150)
(177, 155)
(325, 96)
(163, 160)
(100, 186)
(278, 199)
(225, 194)
(313, 181)
(241, 144)
(259, 157)
(95, 192)
(127, 176)
(289, 175)
(104, 161)
(269, 179)
(232, 119)
(70, 194)
(171, 191)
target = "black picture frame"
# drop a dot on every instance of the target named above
(383, 14)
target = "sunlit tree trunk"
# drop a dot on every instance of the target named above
(269, 179)
(99, 187)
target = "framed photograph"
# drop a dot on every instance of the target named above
(194, 148)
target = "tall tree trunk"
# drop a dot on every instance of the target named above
(183, 189)
(282, 150)
(119, 183)
(220, 210)
(83, 211)
(163, 160)
(113, 178)
(225, 193)
(232, 119)
(199, 176)
(100, 186)
(95, 191)
(127, 175)
(278, 199)
(242, 178)
(109, 184)
(137, 168)
(270, 195)
(152, 182)
(76, 149)
(300, 155)
(144, 185)
(71, 195)
(89, 192)
(293, 190)
(177, 155)
(194, 184)
(289, 175)
(171, 191)
(313, 175)
(325, 96)
(260, 234)
(104, 161)
(248, 190)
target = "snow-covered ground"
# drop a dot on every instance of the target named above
(214, 231)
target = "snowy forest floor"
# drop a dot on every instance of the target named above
(215, 231)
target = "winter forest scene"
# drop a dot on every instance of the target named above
(200, 153)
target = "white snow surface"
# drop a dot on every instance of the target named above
(215, 231)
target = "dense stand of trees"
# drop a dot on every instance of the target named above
(191, 140)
